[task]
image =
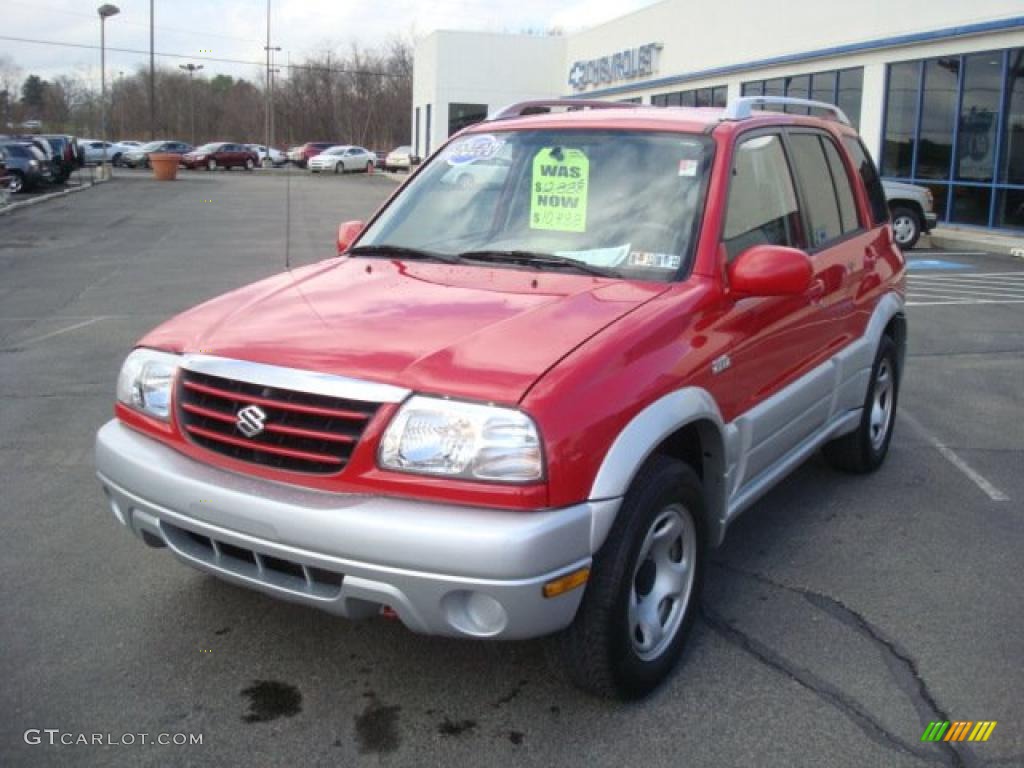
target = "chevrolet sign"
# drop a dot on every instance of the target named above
(629, 64)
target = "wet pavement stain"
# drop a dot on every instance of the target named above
(455, 727)
(270, 699)
(222, 631)
(377, 729)
(516, 737)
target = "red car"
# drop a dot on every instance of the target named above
(221, 154)
(533, 404)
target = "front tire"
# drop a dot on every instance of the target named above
(645, 583)
(865, 449)
(249, 164)
(339, 168)
(17, 182)
(906, 226)
(211, 164)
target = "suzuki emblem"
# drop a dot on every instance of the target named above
(250, 420)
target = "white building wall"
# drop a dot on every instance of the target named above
(727, 42)
(482, 68)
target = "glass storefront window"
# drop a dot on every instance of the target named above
(1011, 164)
(900, 119)
(935, 152)
(851, 89)
(976, 142)
(956, 125)
(970, 205)
(463, 115)
(701, 97)
(1010, 209)
(842, 87)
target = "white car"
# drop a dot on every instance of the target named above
(343, 158)
(488, 172)
(277, 157)
(400, 158)
(92, 150)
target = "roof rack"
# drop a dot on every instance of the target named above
(541, 106)
(740, 109)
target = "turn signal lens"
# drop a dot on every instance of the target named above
(567, 583)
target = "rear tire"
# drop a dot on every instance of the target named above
(864, 449)
(906, 226)
(644, 588)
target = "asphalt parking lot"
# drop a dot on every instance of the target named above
(841, 616)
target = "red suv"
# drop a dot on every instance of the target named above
(531, 405)
(221, 154)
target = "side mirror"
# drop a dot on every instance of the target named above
(348, 231)
(771, 270)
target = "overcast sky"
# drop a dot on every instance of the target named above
(236, 29)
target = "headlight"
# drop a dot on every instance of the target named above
(33, 163)
(145, 382)
(464, 440)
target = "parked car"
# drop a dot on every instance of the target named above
(92, 151)
(532, 410)
(912, 209)
(277, 157)
(342, 159)
(294, 154)
(489, 171)
(66, 157)
(400, 159)
(221, 154)
(139, 156)
(309, 150)
(27, 166)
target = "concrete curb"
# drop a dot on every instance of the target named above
(49, 196)
(951, 238)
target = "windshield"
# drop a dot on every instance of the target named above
(623, 200)
(208, 148)
(336, 151)
(152, 145)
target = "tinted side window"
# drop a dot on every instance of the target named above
(844, 191)
(869, 175)
(762, 207)
(819, 194)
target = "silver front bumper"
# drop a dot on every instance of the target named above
(444, 569)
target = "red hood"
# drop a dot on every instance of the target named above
(470, 332)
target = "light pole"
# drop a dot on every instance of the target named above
(105, 11)
(266, 117)
(191, 69)
(152, 79)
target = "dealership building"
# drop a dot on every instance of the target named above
(936, 87)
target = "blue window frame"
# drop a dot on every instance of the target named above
(955, 124)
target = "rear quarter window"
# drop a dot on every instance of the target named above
(869, 176)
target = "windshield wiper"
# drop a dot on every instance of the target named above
(402, 252)
(538, 259)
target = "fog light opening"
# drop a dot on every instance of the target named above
(567, 583)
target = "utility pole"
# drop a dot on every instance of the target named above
(152, 79)
(105, 11)
(191, 69)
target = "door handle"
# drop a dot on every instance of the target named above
(870, 257)
(816, 291)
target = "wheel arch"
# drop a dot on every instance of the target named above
(685, 425)
(907, 202)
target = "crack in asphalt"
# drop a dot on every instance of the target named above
(898, 660)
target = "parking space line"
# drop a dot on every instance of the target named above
(980, 293)
(963, 302)
(947, 253)
(950, 455)
(70, 328)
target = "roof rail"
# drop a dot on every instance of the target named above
(540, 106)
(740, 109)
